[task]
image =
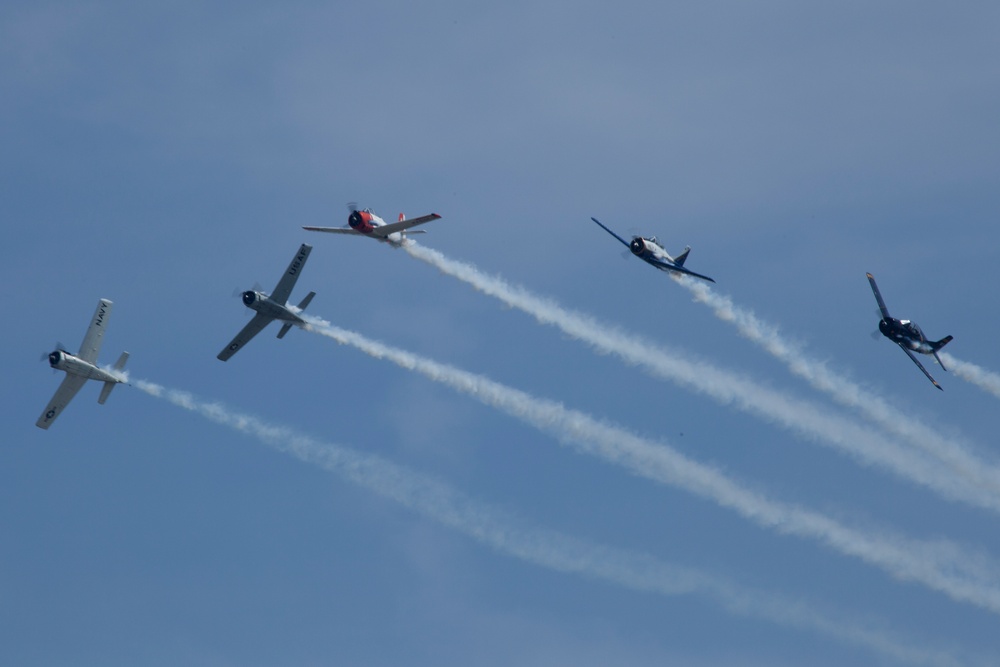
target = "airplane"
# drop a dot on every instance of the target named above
(366, 223)
(273, 306)
(82, 366)
(650, 251)
(908, 335)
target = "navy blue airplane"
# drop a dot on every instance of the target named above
(908, 335)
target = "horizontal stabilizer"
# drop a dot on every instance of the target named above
(306, 301)
(106, 391)
(284, 329)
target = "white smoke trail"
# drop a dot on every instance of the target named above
(977, 375)
(806, 419)
(946, 449)
(498, 530)
(940, 565)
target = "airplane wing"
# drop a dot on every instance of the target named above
(64, 394)
(667, 266)
(393, 227)
(334, 230)
(681, 269)
(881, 306)
(91, 344)
(284, 287)
(920, 366)
(611, 232)
(253, 327)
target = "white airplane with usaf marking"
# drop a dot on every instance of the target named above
(273, 306)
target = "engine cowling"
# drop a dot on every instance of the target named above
(637, 246)
(55, 358)
(361, 221)
(249, 297)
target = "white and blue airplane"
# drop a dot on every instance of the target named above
(82, 366)
(650, 251)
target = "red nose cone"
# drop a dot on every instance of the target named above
(361, 221)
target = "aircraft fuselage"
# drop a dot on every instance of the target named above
(649, 249)
(64, 361)
(267, 306)
(365, 222)
(906, 333)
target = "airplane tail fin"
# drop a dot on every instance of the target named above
(402, 217)
(120, 364)
(937, 346)
(941, 343)
(679, 259)
(108, 386)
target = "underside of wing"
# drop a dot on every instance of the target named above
(624, 242)
(681, 269)
(881, 303)
(393, 227)
(669, 266)
(921, 367)
(64, 394)
(91, 345)
(283, 289)
(334, 230)
(253, 327)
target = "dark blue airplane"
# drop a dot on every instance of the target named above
(908, 335)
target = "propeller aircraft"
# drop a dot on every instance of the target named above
(650, 251)
(364, 222)
(908, 335)
(82, 366)
(272, 306)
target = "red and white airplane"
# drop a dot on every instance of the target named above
(366, 223)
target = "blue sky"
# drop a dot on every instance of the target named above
(163, 156)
